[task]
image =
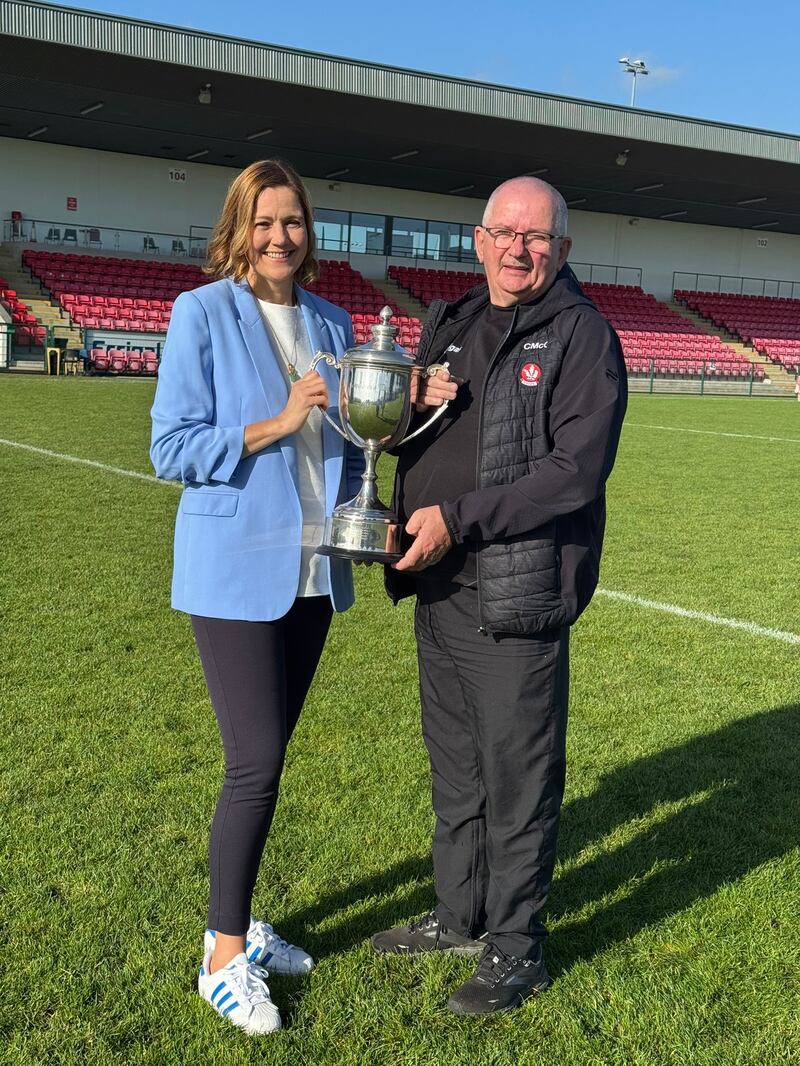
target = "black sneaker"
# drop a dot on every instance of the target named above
(500, 983)
(428, 934)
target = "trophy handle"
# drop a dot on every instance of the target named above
(326, 357)
(429, 372)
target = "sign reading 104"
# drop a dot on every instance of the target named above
(177, 175)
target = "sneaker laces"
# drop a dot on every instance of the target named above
(424, 923)
(248, 981)
(495, 966)
(264, 935)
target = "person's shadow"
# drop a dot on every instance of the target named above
(714, 808)
(711, 809)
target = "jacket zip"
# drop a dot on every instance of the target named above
(481, 627)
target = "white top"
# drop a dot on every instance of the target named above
(289, 336)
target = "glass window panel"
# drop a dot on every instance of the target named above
(332, 229)
(408, 237)
(367, 233)
(467, 244)
(444, 241)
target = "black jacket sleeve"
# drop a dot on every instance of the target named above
(586, 412)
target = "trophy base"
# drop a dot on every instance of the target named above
(366, 536)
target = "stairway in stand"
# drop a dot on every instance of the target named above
(778, 376)
(39, 304)
(403, 299)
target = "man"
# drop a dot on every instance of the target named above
(506, 505)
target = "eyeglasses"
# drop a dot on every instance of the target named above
(504, 238)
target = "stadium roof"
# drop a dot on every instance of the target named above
(348, 120)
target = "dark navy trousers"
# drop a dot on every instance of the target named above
(258, 675)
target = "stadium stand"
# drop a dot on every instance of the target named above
(426, 285)
(120, 295)
(114, 295)
(654, 337)
(342, 285)
(649, 331)
(134, 296)
(771, 324)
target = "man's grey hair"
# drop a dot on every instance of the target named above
(561, 213)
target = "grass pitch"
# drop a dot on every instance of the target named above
(675, 910)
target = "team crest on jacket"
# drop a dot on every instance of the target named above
(530, 374)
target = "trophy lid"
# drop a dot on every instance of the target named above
(381, 351)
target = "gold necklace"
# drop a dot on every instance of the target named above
(290, 363)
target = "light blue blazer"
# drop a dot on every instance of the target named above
(238, 529)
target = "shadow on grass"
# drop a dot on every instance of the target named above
(740, 809)
(415, 872)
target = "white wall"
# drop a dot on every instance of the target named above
(132, 192)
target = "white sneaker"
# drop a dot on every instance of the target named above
(239, 993)
(264, 947)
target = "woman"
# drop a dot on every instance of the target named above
(237, 418)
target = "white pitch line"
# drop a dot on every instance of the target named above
(714, 433)
(625, 597)
(85, 462)
(702, 616)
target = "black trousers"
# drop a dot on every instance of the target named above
(494, 718)
(258, 675)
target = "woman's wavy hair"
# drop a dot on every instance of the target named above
(230, 241)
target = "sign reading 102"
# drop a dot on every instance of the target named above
(177, 175)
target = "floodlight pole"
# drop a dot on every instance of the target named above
(634, 67)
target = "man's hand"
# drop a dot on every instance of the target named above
(433, 391)
(432, 540)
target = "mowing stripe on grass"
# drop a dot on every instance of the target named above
(702, 616)
(86, 462)
(713, 433)
(625, 597)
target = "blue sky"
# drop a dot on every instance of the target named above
(732, 61)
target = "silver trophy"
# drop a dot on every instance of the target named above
(375, 410)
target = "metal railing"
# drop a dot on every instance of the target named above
(709, 378)
(70, 236)
(607, 273)
(6, 335)
(730, 283)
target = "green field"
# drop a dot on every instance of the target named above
(675, 911)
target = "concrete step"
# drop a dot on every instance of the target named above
(410, 305)
(46, 311)
(27, 366)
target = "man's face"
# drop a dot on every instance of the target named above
(519, 274)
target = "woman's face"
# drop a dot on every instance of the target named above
(279, 242)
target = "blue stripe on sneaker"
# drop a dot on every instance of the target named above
(229, 1008)
(254, 953)
(268, 956)
(216, 990)
(224, 999)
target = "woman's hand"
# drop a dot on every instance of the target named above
(308, 391)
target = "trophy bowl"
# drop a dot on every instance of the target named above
(375, 410)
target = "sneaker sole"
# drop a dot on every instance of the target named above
(465, 950)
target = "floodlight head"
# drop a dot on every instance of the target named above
(624, 60)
